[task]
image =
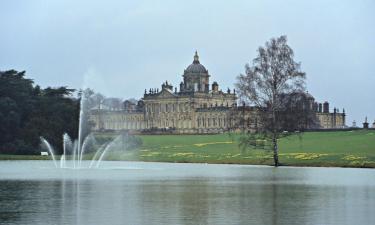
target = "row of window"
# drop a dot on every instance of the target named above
(211, 122)
(171, 107)
(121, 118)
(202, 122)
(119, 126)
(169, 123)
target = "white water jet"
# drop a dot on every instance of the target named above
(75, 147)
(67, 144)
(107, 148)
(80, 125)
(50, 149)
(93, 160)
(88, 139)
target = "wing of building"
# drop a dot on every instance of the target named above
(194, 107)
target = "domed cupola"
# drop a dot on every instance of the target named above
(196, 67)
(196, 77)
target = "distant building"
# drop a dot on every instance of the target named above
(197, 107)
(328, 120)
(365, 124)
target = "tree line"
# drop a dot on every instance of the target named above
(28, 111)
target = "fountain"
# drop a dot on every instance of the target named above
(77, 148)
(78, 153)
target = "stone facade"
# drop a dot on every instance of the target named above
(331, 120)
(195, 108)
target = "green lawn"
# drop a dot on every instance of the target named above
(342, 148)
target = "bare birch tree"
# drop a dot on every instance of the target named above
(273, 75)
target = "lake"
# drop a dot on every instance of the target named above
(34, 192)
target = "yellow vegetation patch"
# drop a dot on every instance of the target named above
(353, 158)
(213, 143)
(182, 154)
(150, 154)
(308, 156)
(172, 146)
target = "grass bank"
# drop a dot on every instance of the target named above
(339, 149)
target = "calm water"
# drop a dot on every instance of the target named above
(33, 192)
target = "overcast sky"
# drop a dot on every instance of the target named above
(119, 48)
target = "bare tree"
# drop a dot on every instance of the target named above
(113, 103)
(272, 76)
(97, 100)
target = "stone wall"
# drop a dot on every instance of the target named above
(331, 120)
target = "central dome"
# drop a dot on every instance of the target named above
(196, 67)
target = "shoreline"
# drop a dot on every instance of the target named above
(4, 157)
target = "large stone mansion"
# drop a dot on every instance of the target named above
(195, 107)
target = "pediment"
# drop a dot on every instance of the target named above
(166, 94)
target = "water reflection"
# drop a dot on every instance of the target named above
(202, 195)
